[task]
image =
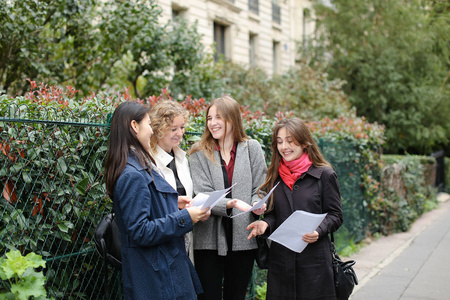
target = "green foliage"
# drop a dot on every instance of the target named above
(306, 92)
(94, 46)
(261, 291)
(20, 280)
(51, 178)
(394, 59)
(405, 193)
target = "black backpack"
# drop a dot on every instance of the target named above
(107, 242)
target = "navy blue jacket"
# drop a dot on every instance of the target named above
(154, 260)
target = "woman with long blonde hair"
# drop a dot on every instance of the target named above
(306, 182)
(223, 157)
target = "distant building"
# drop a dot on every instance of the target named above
(263, 33)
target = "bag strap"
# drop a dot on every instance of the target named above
(105, 261)
(105, 268)
(321, 203)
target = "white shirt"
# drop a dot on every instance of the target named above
(163, 158)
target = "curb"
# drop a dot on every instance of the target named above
(416, 228)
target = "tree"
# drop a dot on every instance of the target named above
(93, 45)
(394, 56)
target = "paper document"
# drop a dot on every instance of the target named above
(259, 204)
(290, 232)
(204, 200)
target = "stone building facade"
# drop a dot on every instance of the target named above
(263, 33)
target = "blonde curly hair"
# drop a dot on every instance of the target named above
(162, 116)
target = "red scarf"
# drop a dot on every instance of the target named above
(290, 171)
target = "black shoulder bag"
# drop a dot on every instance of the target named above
(345, 277)
(107, 243)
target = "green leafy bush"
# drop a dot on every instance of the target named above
(305, 91)
(20, 280)
(51, 177)
(406, 193)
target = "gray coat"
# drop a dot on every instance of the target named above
(249, 173)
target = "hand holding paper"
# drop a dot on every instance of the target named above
(259, 204)
(290, 232)
(204, 200)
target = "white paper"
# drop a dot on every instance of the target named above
(204, 200)
(290, 232)
(259, 204)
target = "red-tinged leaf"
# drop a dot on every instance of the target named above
(37, 206)
(5, 148)
(9, 192)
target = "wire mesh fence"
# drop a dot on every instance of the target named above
(53, 196)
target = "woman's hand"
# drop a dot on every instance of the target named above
(310, 237)
(239, 204)
(257, 227)
(184, 202)
(198, 214)
(260, 211)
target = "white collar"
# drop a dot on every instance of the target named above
(165, 158)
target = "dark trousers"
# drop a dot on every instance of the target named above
(233, 270)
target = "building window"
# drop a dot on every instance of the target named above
(252, 49)
(305, 37)
(276, 56)
(253, 6)
(219, 39)
(178, 13)
(175, 14)
(276, 12)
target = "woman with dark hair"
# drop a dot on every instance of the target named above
(308, 183)
(154, 260)
(224, 156)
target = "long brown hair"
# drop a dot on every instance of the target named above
(230, 111)
(301, 136)
(121, 139)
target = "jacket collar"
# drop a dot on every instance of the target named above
(165, 158)
(133, 162)
(159, 181)
(314, 171)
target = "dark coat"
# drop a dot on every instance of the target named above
(308, 275)
(154, 260)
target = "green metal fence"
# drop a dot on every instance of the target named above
(346, 161)
(53, 195)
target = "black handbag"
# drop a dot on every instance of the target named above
(107, 243)
(345, 277)
(262, 253)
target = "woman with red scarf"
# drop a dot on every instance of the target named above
(308, 183)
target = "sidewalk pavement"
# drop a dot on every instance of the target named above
(410, 265)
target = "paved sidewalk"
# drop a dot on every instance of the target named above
(410, 265)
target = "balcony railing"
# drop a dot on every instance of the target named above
(276, 13)
(253, 6)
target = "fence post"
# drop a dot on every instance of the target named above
(440, 169)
